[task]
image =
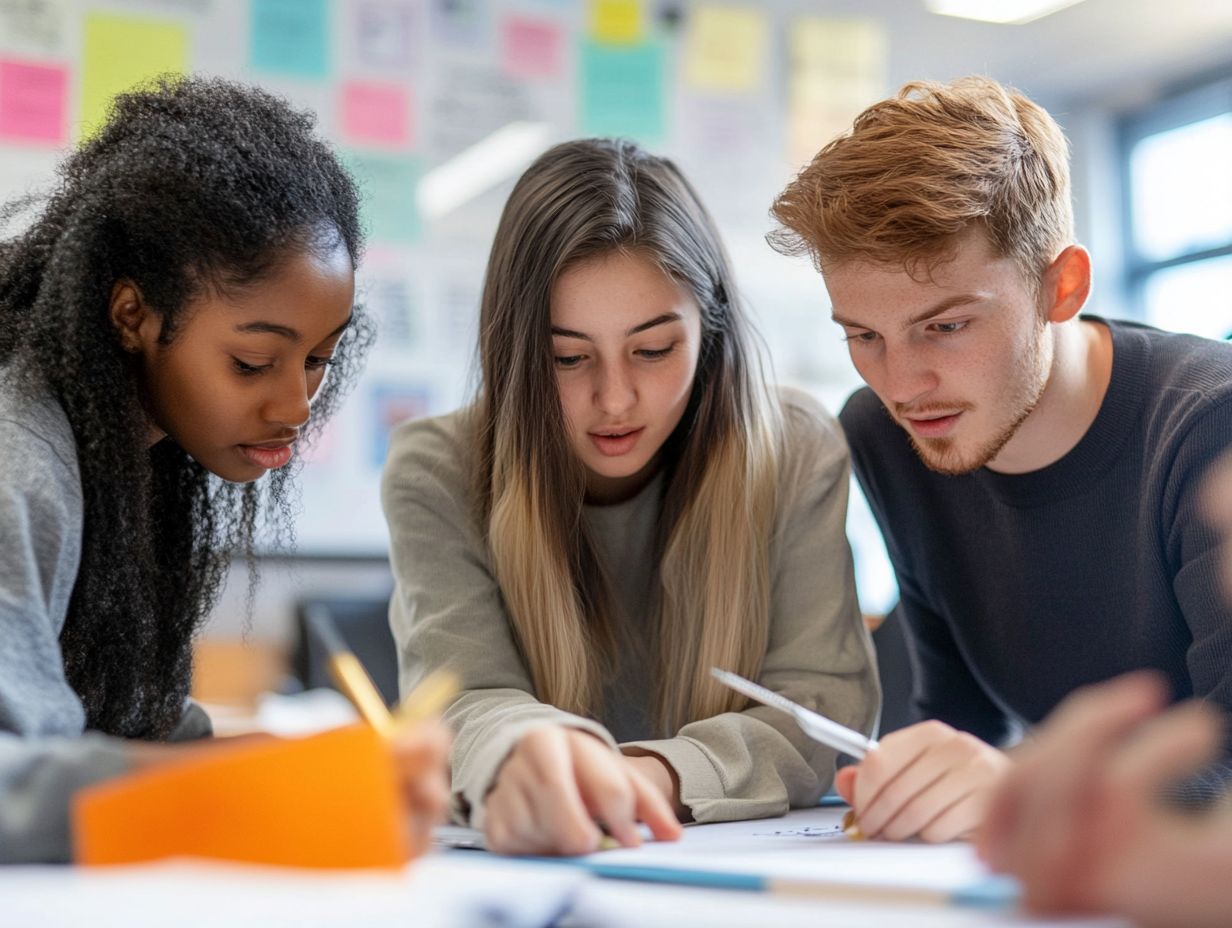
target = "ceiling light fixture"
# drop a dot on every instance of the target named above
(485, 164)
(1014, 12)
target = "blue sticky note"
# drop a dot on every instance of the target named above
(622, 90)
(388, 185)
(290, 37)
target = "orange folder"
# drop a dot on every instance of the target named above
(330, 800)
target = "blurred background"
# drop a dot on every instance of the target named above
(437, 105)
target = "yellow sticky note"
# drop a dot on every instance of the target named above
(121, 51)
(838, 67)
(617, 22)
(726, 48)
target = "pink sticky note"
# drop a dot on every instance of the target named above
(379, 113)
(532, 47)
(32, 102)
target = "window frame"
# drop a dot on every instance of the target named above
(1211, 98)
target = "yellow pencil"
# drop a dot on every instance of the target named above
(426, 700)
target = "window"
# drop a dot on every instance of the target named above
(1178, 187)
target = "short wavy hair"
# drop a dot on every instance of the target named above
(919, 169)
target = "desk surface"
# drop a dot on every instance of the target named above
(465, 888)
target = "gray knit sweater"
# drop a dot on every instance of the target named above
(45, 753)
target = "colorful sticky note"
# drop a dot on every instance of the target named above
(617, 22)
(622, 91)
(329, 800)
(376, 113)
(391, 405)
(531, 47)
(122, 51)
(290, 37)
(388, 185)
(461, 23)
(32, 102)
(838, 67)
(725, 48)
(34, 27)
(384, 33)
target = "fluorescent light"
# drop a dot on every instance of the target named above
(482, 166)
(998, 11)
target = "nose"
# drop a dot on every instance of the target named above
(290, 404)
(906, 375)
(615, 392)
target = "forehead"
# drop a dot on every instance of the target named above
(311, 291)
(866, 291)
(609, 290)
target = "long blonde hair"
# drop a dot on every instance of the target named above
(577, 201)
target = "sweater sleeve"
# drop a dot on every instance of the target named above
(43, 757)
(758, 763)
(447, 611)
(1195, 554)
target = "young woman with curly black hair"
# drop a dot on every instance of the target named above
(167, 319)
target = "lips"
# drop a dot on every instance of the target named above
(268, 455)
(933, 426)
(616, 441)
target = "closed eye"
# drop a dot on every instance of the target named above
(654, 354)
(948, 328)
(864, 337)
(315, 363)
(567, 361)
(249, 369)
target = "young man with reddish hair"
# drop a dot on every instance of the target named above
(1035, 472)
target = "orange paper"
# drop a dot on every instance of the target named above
(330, 800)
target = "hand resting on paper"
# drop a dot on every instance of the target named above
(558, 784)
(927, 781)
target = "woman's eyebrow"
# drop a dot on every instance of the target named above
(275, 328)
(640, 327)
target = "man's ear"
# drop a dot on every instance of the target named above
(1066, 284)
(135, 323)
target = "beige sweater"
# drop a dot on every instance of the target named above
(447, 610)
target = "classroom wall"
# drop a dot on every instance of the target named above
(739, 94)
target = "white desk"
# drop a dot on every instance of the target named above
(459, 889)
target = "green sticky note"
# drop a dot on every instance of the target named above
(120, 52)
(622, 90)
(290, 37)
(388, 186)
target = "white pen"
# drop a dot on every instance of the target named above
(813, 724)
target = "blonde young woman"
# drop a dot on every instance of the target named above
(625, 505)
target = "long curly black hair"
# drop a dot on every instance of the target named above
(192, 186)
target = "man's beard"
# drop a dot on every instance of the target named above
(941, 454)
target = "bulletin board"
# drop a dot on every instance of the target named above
(738, 94)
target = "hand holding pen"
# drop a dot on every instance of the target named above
(927, 781)
(418, 741)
